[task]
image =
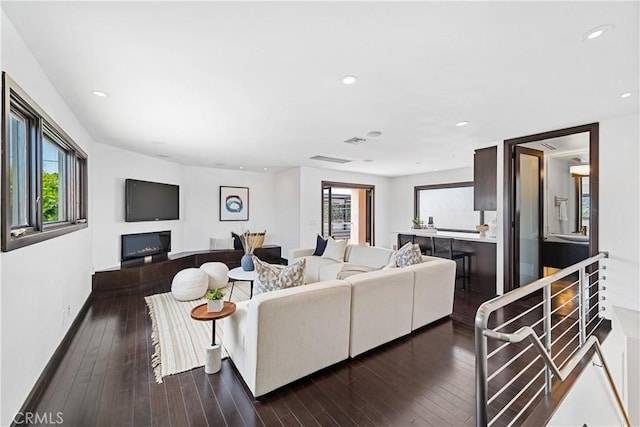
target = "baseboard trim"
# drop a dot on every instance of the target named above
(45, 377)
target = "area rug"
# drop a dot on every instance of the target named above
(178, 340)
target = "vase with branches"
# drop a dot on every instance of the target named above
(249, 243)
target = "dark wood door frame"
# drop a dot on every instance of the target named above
(370, 209)
(509, 191)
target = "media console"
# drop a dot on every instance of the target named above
(159, 273)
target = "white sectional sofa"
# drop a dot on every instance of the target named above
(319, 269)
(278, 337)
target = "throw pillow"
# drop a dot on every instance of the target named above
(321, 245)
(270, 277)
(237, 243)
(408, 255)
(335, 249)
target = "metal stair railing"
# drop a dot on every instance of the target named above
(575, 338)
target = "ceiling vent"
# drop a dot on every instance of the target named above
(329, 159)
(356, 141)
(548, 146)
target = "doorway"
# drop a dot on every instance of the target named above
(347, 212)
(550, 211)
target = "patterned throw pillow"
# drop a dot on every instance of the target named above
(408, 255)
(271, 277)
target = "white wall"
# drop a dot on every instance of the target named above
(109, 167)
(311, 202)
(199, 202)
(202, 195)
(619, 204)
(59, 269)
(287, 209)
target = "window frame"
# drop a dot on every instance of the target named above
(14, 98)
(416, 201)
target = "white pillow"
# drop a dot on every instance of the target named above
(335, 249)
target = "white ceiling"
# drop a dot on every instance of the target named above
(259, 84)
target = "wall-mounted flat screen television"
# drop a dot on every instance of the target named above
(151, 201)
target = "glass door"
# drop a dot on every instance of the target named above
(347, 212)
(529, 172)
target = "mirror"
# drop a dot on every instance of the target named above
(566, 185)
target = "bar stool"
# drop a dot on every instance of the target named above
(403, 239)
(426, 246)
(442, 247)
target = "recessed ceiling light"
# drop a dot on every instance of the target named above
(265, 169)
(349, 80)
(374, 134)
(596, 32)
(241, 167)
(625, 95)
(100, 93)
(462, 123)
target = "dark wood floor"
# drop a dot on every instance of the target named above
(106, 379)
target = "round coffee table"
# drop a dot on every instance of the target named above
(213, 362)
(239, 275)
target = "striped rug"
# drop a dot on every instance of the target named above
(178, 340)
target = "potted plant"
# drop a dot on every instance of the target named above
(214, 300)
(416, 223)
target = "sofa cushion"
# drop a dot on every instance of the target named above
(335, 249)
(314, 264)
(349, 270)
(369, 256)
(381, 308)
(270, 277)
(408, 255)
(329, 271)
(321, 245)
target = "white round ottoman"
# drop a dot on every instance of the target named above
(189, 284)
(217, 272)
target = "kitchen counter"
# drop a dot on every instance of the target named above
(470, 237)
(482, 251)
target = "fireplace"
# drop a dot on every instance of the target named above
(144, 248)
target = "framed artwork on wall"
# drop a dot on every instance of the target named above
(234, 203)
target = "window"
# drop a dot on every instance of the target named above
(44, 174)
(450, 205)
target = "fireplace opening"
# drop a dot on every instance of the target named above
(136, 248)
